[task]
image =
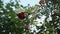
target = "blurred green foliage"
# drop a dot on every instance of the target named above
(10, 23)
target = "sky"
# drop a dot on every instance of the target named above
(31, 2)
(26, 2)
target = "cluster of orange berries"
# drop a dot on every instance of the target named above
(41, 2)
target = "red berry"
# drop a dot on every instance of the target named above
(27, 28)
(21, 15)
(53, 15)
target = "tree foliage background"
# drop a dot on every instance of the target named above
(10, 23)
